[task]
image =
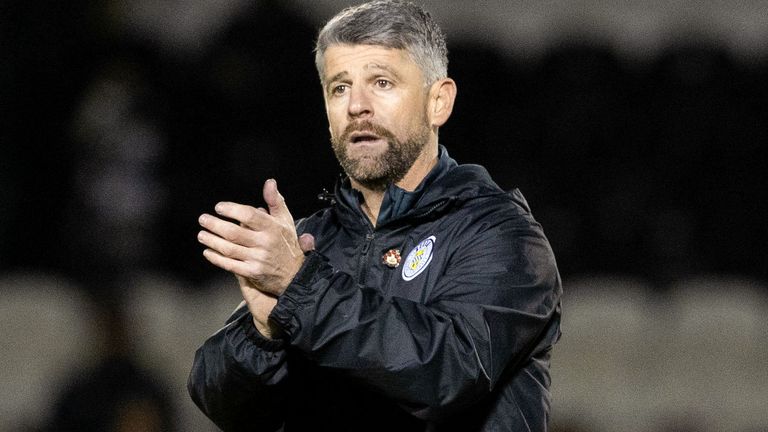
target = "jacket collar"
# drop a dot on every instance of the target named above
(446, 183)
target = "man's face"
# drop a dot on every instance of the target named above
(376, 103)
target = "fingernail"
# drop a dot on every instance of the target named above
(219, 207)
(273, 181)
(202, 219)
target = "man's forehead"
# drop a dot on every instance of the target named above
(340, 58)
(373, 66)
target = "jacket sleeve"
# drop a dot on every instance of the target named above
(494, 305)
(238, 377)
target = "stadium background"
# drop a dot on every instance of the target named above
(637, 130)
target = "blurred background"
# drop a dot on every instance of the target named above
(636, 129)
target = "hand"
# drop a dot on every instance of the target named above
(263, 249)
(260, 304)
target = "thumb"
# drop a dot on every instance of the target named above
(307, 242)
(276, 202)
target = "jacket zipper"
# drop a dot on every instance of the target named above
(361, 263)
(370, 236)
(434, 208)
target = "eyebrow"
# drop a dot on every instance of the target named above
(369, 66)
(386, 68)
(336, 77)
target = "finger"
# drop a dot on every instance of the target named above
(307, 242)
(222, 246)
(237, 267)
(248, 216)
(276, 202)
(229, 231)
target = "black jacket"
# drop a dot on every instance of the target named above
(456, 338)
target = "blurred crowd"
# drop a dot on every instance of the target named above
(114, 141)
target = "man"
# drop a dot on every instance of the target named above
(424, 299)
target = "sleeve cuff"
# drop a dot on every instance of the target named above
(298, 294)
(253, 335)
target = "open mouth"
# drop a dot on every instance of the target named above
(363, 137)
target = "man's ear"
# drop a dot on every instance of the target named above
(442, 94)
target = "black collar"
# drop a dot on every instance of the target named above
(398, 201)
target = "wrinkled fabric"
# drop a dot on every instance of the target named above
(458, 338)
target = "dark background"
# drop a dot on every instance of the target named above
(656, 171)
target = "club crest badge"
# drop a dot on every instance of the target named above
(392, 258)
(418, 259)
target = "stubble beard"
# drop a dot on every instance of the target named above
(375, 172)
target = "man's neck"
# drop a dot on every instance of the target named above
(412, 179)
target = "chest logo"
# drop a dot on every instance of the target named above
(418, 259)
(392, 258)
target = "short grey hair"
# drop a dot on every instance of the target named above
(391, 24)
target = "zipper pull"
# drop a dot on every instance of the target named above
(327, 197)
(368, 240)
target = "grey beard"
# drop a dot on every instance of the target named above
(389, 167)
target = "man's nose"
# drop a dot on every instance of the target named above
(359, 102)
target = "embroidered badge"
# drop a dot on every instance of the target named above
(392, 258)
(418, 259)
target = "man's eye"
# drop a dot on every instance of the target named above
(383, 84)
(339, 89)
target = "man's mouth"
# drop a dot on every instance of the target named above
(363, 137)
